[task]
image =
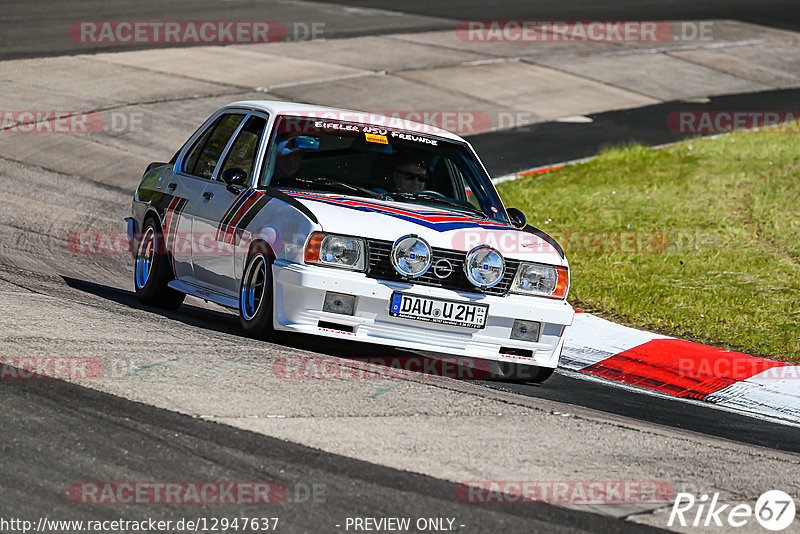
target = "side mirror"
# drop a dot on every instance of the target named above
(234, 178)
(517, 217)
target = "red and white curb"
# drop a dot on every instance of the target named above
(538, 170)
(682, 369)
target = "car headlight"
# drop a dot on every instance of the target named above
(336, 251)
(484, 266)
(541, 280)
(411, 256)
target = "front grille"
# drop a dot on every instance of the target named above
(380, 267)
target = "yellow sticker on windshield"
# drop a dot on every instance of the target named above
(372, 138)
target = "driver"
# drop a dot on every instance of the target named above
(288, 161)
(410, 176)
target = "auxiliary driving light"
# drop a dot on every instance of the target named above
(484, 266)
(411, 256)
(339, 303)
(525, 330)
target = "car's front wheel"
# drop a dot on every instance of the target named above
(255, 296)
(152, 270)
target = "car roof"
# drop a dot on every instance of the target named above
(276, 107)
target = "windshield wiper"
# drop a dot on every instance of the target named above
(420, 195)
(341, 186)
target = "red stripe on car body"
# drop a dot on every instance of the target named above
(245, 207)
(428, 217)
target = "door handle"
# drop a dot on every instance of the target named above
(172, 186)
(208, 195)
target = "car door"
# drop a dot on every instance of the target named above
(186, 184)
(223, 207)
(183, 189)
(181, 194)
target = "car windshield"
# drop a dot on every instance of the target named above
(388, 164)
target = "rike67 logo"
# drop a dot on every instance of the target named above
(774, 510)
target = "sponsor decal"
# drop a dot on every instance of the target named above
(372, 133)
(429, 121)
(337, 126)
(415, 138)
(374, 138)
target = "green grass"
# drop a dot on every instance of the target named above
(700, 240)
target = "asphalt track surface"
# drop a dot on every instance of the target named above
(778, 14)
(42, 453)
(537, 145)
(50, 428)
(36, 28)
(563, 388)
(660, 410)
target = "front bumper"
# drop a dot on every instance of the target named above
(300, 291)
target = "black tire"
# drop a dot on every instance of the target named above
(255, 295)
(150, 277)
(515, 372)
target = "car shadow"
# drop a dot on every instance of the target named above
(388, 358)
(218, 321)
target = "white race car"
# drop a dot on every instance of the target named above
(352, 226)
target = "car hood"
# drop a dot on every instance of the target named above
(441, 228)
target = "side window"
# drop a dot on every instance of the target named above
(194, 153)
(461, 188)
(242, 154)
(205, 153)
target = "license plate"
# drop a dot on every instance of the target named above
(439, 311)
